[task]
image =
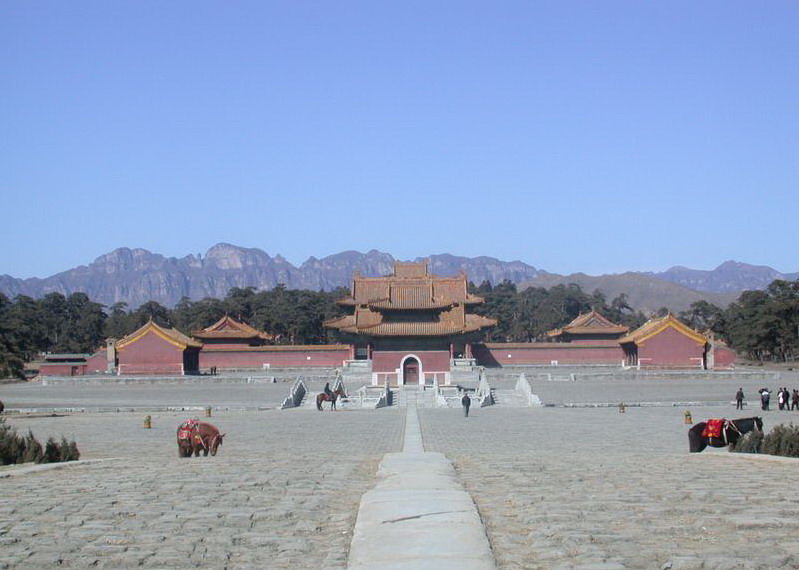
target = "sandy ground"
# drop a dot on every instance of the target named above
(557, 487)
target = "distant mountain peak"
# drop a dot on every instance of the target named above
(136, 275)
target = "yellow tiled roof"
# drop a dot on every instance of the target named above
(172, 336)
(227, 327)
(591, 322)
(658, 325)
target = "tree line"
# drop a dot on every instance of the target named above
(761, 325)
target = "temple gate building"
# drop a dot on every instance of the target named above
(410, 324)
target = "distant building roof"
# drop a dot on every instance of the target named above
(172, 336)
(655, 326)
(65, 357)
(229, 328)
(590, 323)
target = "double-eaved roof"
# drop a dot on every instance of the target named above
(439, 303)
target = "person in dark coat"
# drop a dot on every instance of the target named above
(739, 399)
(328, 391)
(466, 401)
(765, 396)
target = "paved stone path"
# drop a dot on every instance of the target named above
(418, 516)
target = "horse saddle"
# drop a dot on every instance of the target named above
(714, 428)
(186, 428)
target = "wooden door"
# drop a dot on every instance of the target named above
(410, 372)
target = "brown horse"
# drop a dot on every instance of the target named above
(323, 397)
(195, 436)
(731, 431)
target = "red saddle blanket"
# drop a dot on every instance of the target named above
(713, 428)
(185, 429)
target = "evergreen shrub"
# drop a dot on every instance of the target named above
(782, 440)
(750, 443)
(18, 449)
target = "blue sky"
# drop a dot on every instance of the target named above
(574, 136)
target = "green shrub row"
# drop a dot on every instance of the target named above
(782, 440)
(18, 449)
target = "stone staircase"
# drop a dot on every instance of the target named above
(422, 399)
(507, 398)
(464, 376)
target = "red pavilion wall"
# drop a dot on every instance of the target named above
(508, 354)
(670, 349)
(150, 354)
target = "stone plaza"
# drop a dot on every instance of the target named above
(571, 484)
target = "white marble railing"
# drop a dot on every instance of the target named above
(523, 386)
(298, 392)
(483, 393)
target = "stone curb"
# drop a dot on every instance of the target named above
(25, 470)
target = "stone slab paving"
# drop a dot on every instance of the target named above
(418, 516)
(283, 492)
(592, 488)
(555, 487)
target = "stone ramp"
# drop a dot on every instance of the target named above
(418, 516)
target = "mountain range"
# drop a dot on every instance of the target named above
(135, 276)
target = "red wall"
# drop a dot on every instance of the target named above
(62, 369)
(723, 358)
(670, 349)
(496, 354)
(289, 356)
(431, 360)
(97, 363)
(150, 354)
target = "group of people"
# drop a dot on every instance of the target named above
(786, 400)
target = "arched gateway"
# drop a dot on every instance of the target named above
(410, 371)
(411, 324)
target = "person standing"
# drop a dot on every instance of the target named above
(765, 396)
(795, 400)
(466, 401)
(739, 399)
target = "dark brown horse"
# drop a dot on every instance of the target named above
(195, 436)
(731, 431)
(323, 397)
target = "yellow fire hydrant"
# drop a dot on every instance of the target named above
(622, 407)
(148, 422)
(688, 418)
(207, 411)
